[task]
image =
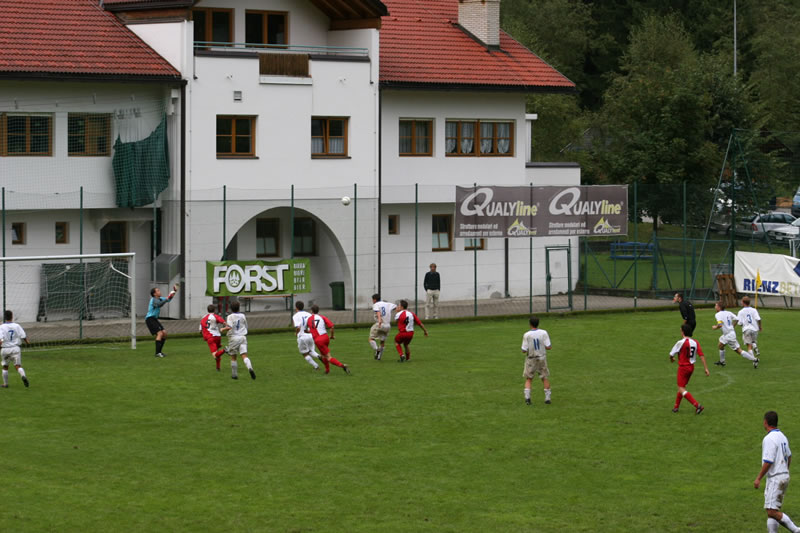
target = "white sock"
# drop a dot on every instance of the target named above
(5, 377)
(546, 394)
(772, 525)
(314, 354)
(311, 361)
(722, 355)
(373, 344)
(234, 369)
(247, 363)
(748, 356)
(755, 349)
(787, 523)
(21, 371)
(527, 394)
(381, 349)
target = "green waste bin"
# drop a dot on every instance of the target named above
(337, 294)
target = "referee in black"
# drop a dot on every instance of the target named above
(687, 310)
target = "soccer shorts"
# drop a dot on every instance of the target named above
(322, 342)
(237, 345)
(404, 337)
(379, 332)
(684, 374)
(534, 365)
(774, 491)
(213, 342)
(11, 356)
(750, 336)
(305, 343)
(153, 325)
(730, 340)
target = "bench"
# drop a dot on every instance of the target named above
(247, 300)
(631, 250)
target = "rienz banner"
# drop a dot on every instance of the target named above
(257, 278)
(767, 274)
(597, 210)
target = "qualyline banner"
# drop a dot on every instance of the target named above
(768, 274)
(257, 278)
(485, 212)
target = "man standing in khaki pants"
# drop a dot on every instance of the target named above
(432, 284)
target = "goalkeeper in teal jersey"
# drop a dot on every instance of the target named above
(151, 318)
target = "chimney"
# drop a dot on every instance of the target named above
(481, 18)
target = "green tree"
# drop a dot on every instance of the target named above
(656, 120)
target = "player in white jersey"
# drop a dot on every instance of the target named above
(237, 342)
(382, 312)
(535, 344)
(726, 322)
(750, 321)
(11, 337)
(305, 342)
(776, 457)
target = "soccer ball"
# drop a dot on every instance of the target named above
(345, 200)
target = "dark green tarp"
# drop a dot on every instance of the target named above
(141, 168)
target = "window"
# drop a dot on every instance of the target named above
(265, 27)
(89, 134)
(236, 136)
(213, 25)
(474, 244)
(479, 138)
(394, 224)
(18, 233)
(416, 137)
(305, 236)
(114, 238)
(62, 232)
(329, 137)
(268, 243)
(442, 230)
(27, 135)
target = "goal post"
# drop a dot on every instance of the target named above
(72, 299)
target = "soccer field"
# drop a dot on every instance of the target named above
(109, 439)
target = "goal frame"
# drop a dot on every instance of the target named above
(131, 273)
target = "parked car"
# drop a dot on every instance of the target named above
(758, 226)
(796, 203)
(785, 233)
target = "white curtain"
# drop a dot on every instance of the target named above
(336, 146)
(451, 133)
(503, 137)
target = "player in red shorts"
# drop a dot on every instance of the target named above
(318, 326)
(405, 326)
(687, 350)
(210, 327)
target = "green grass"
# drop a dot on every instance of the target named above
(107, 439)
(672, 267)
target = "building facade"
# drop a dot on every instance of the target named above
(272, 111)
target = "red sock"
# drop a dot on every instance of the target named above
(678, 399)
(408, 354)
(219, 352)
(691, 399)
(399, 349)
(327, 366)
(336, 362)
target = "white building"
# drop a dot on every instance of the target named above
(279, 107)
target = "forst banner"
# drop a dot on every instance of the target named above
(485, 212)
(257, 278)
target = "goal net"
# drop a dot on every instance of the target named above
(72, 299)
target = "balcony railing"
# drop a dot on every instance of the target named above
(330, 51)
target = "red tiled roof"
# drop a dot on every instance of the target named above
(73, 37)
(421, 45)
